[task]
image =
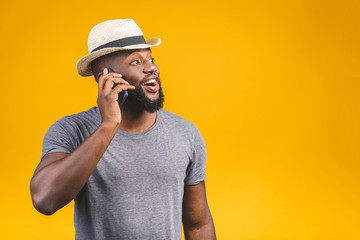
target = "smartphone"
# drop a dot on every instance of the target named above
(123, 94)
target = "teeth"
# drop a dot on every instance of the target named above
(150, 81)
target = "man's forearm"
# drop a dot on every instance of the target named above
(56, 184)
(205, 232)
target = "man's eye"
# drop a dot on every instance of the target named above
(135, 62)
(151, 59)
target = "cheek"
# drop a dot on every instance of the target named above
(126, 75)
(132, 75)
(132, 78)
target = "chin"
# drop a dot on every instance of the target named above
(149, 102)
(153, 98)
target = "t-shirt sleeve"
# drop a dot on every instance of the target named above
(58, 139)
(195, 172)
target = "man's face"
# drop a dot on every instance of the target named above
(139, 69)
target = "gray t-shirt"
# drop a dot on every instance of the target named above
(136, 190)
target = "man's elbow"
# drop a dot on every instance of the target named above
(199, 224)
(42, 205)
(200, 230)
(41, 201)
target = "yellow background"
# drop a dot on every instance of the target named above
(272, 85)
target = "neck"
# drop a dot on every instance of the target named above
(134, 120)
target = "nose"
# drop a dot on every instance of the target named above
(149, 67)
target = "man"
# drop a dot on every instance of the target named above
(135, 171)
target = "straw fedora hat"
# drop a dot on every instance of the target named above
(111, 36)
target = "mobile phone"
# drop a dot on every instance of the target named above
(123, 94)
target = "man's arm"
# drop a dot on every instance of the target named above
(59, 177)
(197, 220)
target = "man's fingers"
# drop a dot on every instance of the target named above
(120, 88)
(101, 80)
(104, 79)
(114, 94)
(110, 83)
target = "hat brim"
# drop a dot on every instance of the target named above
(83, 66)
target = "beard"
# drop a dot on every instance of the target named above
(138, 96)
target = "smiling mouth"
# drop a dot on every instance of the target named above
(151, 85)
(150, 82)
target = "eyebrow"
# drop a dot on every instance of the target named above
(129, 52)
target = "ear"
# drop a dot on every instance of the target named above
(97, 76)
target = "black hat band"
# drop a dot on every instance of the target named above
(122, 42)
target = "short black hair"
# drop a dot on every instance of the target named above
(100, 63)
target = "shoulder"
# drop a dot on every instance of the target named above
(173, 119)
(178, 124)
(90, 116)
(86, 119)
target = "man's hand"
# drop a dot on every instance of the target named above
(107, 96)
